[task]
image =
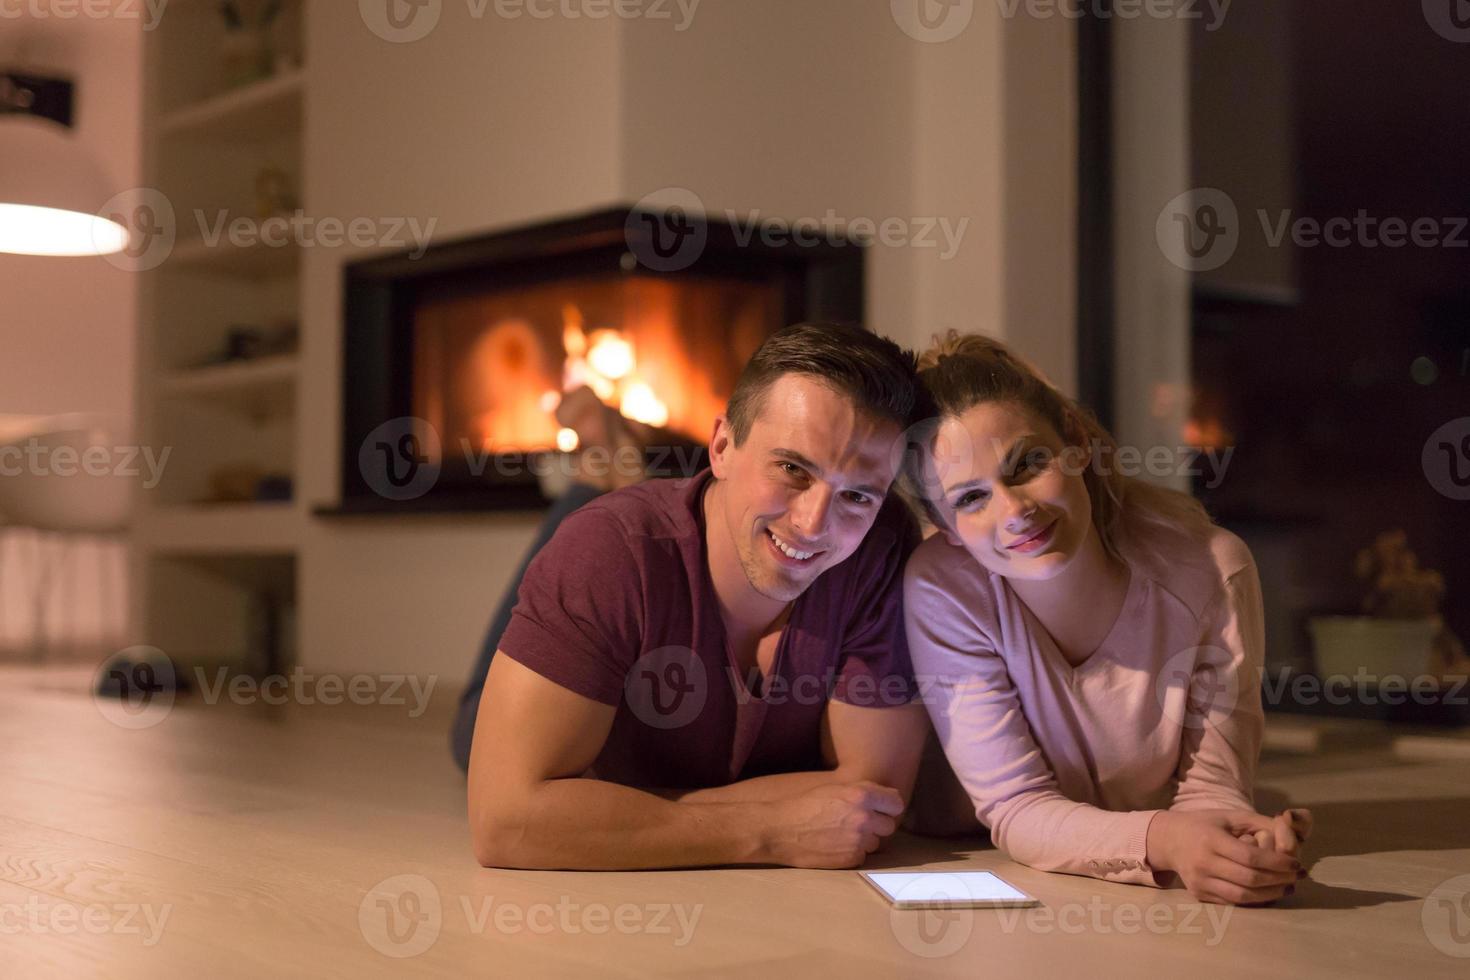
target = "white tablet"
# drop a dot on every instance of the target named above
(947, 890)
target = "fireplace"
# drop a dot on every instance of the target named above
(460, 356)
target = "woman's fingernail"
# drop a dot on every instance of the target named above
(1290, 890)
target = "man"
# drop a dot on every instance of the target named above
(713, 670)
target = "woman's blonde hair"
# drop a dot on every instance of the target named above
(960, 372)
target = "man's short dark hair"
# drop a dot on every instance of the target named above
(879, 377)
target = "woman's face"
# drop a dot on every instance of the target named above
(1010, 490)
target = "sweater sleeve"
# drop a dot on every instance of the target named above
(1225, 721)
(977, 715)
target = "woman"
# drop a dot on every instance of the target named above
(1092, 644)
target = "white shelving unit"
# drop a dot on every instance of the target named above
(255, 112)
(216, 579)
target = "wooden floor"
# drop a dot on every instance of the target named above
(330, 841)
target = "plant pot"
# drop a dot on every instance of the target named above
(1345, 645)
(246, 56)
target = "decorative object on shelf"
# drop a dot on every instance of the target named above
(1400, 589)
(249, 342)
(273, 487)
(243, 343)
(1403, 634)
(248, 51)
(238, 483)
(273, 193)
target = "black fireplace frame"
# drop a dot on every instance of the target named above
(820, 277)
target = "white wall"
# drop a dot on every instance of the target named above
(480, 124)
(787, 108)
(68, 324)
(1151, 167)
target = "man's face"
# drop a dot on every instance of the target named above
(802, 490)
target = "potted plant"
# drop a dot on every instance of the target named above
(1402, 633)
(247, 52)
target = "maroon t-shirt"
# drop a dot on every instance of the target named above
(619, 607)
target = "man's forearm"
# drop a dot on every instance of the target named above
(592, 825)
(761, 789)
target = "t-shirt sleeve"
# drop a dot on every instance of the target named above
(1221, 743)
(977, 716)
(579, 618)
(874, 670)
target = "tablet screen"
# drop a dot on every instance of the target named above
(946, 888)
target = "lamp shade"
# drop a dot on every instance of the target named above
(50, 191)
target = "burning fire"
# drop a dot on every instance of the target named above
(492, 369)
(607, 363)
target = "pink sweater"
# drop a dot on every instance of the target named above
(1066, 766)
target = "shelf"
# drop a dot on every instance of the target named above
(204, 529)
(261, 372)
(264, 386)
(257, 112)
(258, 261)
